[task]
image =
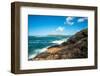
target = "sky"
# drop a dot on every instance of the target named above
(55, 25)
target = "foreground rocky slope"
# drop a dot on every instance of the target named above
(74, 47)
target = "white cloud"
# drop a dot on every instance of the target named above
(59, 29)
(69, 20)
(81, 19)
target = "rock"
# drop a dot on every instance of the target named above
(74, 47)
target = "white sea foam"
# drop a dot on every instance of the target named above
(38, 51)
(32, 56)
(59, 41)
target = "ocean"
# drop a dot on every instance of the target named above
(39, 44)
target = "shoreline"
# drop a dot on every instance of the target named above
(75, 47)
(57, 43)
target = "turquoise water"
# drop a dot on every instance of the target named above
(39, 44)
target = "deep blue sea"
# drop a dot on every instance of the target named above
(39, 44)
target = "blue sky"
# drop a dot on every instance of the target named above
(56, 25)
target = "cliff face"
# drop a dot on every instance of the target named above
(74, 47)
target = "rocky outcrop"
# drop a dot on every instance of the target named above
(74, 47)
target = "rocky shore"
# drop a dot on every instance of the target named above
(75, 47)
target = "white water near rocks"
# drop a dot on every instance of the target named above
(39, 45)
